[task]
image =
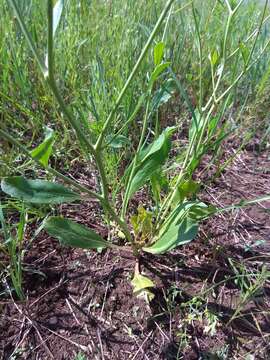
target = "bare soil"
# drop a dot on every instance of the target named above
(82, 302)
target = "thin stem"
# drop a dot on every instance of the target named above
(200, 55)
(132, 74)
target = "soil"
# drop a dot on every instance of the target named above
(81, 302)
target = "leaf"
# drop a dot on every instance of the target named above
(140, 282)
(159, 182)
(176, 234)
(142, 223)
(150, 159)
(70, 233)
(244, 51)
(214, 56)
(141, 285)
(196, 125)
(37, 191)
(158, 53)
(163, 94)
(186, 190)
(43, 151)
(119, 141)
(201, 211)
(179, 228)
(57, 12)
(159, 69)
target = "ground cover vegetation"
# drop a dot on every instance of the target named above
(132, 112)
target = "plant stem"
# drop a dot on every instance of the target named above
(200, 55)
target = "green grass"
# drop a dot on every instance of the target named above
(97, 49)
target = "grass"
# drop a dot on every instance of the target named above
(216, 87)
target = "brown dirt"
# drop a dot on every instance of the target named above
(80, 301)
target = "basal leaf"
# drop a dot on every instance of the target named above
(70, 233)
(175, 235)
(37, 191)
(141, 287)
(180, 228)
(140, 282)
(43, 151)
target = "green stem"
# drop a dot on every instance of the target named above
(200, 55)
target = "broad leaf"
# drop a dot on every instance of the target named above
(158, 53)
(141, 285)
(70, 233)
(175, 235)
(43, 151)
(142, 224)
(37, 191)
(150, 159)
(180, 228)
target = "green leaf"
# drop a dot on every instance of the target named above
(57, 12)
(70, 233)
(140, 282)
(142, 223)
(141, 285)
(158, 53)
(214, 56)
(179, 228)
(163, 94)
(119, 141)
(244, 51)
(43, 151)
(201, 211)
(37, 191)
(175, 235)
(150, 159)
(186, 190)
(159, 69)
(159, 182)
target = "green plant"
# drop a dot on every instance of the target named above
(177, 213)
